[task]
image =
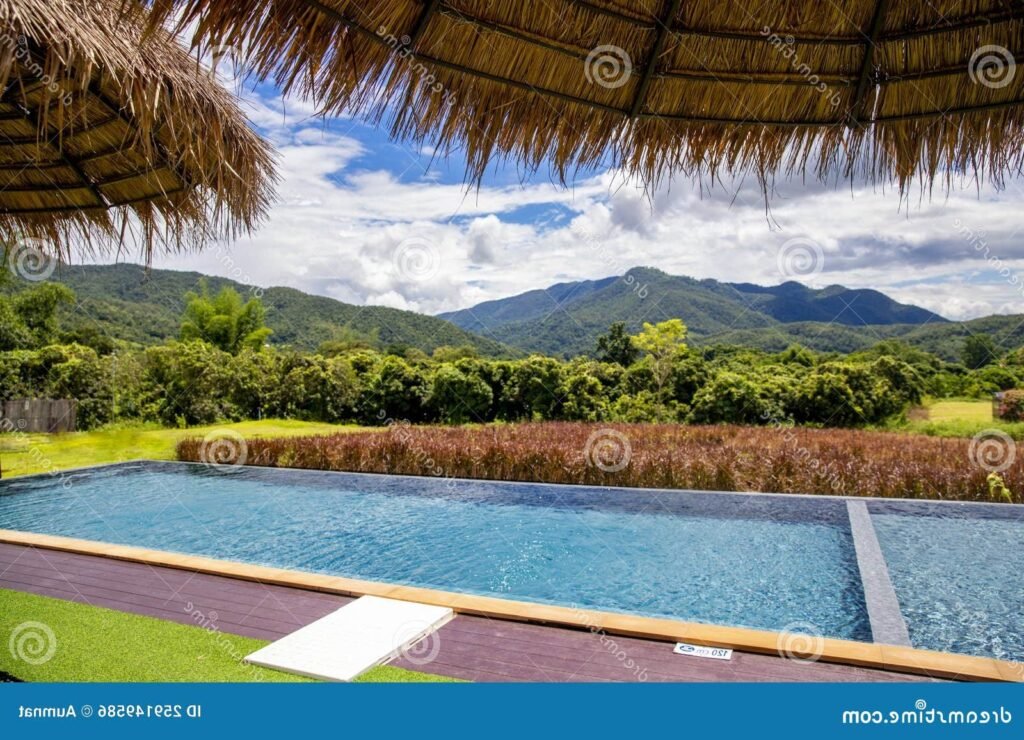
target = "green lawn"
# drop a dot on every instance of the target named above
(22, 454)
(91, 644)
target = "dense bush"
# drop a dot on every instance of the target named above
(777, 459)
(191, 383)
(223, 370)
(1010, 406)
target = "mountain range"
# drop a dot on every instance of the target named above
(128, 302)
(566, 319)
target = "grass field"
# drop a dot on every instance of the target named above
(970, 411)
(958, 419)
(23, 454)
(91, 644)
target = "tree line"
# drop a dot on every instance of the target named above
(221, 368)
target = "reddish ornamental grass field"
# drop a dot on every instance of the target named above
(723, 458)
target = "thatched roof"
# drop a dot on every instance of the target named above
(887, 88)
(106, 140)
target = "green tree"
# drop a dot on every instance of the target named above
(997, 378)
(617, 346)
(457, 397)
(689, 374)
(905, 380)
(731, 398)
(583, 397)
(639, 408)
(224, 320)
(796, 354)
(665, 344)
(256, 387)
(826, 398)
(318, 389)
(531, 391)
(78, 372)
(394, 389)
(978, 351)
(13, 332)
(28, 319)
(189, 383)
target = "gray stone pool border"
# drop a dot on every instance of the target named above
(884, 614)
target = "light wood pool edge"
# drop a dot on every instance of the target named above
(866, 655)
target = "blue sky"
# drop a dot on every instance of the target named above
(368, 220)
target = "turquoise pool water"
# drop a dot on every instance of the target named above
(958, 575)
(767, 562)
(763, 562)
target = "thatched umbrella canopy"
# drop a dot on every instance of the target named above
(887, 88)
(106, 139)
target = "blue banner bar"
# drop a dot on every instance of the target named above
(490, 710)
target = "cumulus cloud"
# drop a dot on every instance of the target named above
(348, 213)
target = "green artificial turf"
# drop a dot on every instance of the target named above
(94, 644)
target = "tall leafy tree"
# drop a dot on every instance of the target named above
(979, 350)
(28, 319)
(664, 343)
(617, 346)
(224, 320)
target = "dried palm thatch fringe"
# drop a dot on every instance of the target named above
(107, 140)
(877, 88)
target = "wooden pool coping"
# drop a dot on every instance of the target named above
(868, 655)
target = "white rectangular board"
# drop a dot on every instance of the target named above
(702, 651)
(346, 643)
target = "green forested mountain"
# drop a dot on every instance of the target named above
(943, 339)
(124, 302)
(568, 318)
(707, 306)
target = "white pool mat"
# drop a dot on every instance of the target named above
(346, 643)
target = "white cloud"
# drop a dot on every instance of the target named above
(340, 221)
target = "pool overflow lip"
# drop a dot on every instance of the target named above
(231, 470)
(892, 656)
(884, 614)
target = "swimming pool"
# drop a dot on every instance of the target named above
(748, 560)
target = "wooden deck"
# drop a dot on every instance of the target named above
(472, 648)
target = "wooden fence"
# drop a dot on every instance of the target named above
(38, 415)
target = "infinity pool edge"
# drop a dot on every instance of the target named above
(58, 472)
